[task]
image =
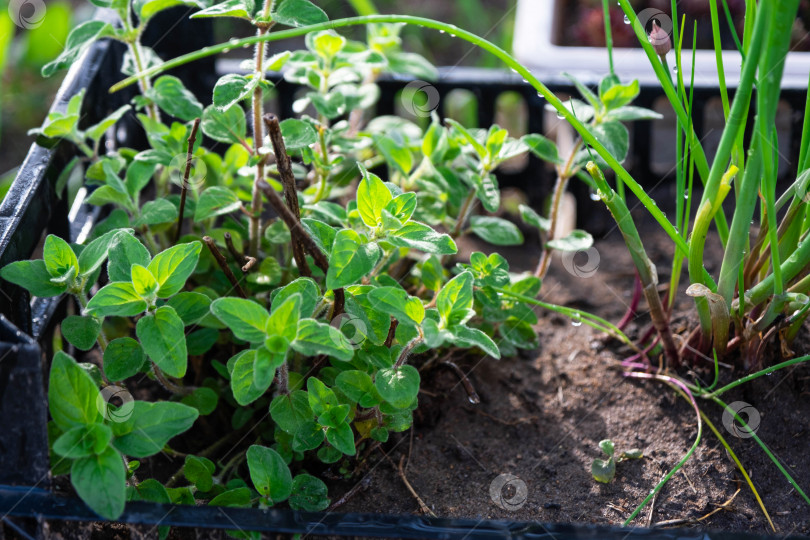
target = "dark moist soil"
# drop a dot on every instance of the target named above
(542, 415)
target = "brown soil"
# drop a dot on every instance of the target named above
(542, 416)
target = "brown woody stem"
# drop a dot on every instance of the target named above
(287, 177)
(318, 256)
(184, 193)
(220, 258)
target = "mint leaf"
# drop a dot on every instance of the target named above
(123, 358)
(455, 299)
(397, 303)
(309, 494)
(32, 276)
(269, 473)
(127, 251)
(372, 196)
(316, 338)
(100, 481)
(116, 299)
(246, 319)
(151, 426)
(422, 237)
(59, 257)
(298, 13)
(162, 335)
(173, 266)
(497, 231)
(72, 394)
(81, 332)
(351, 259)
(216, 201)
(398, 386)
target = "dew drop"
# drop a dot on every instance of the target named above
(626, 19)
(594, 196)
(560, 116)
(441, 31)
(576, 321)
(686, 196)
(675, 69)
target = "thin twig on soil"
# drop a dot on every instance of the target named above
(472, 395)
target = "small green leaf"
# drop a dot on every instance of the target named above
(283, 321)
(79, 39)
(372, 196)
(620, 95)
(216, 201)
(228, 8)
(497, 231)
(126, 252)
(94, 253)
(351, 259)
(199, 471)
(422, 237)
(455, 299)
(398, 386)
(162, 335)
(479, 148)
(397, 303)
(101, 482)
(116, 299)
(156, 212)
(303, 286)
(235, 498)
(473, 337)
(243, 386)
(123, 358)
(190, 306)
(355, 384)
(269, 473)
(297, 134)
(81, 332)
(152, 425)
(630, 113)
(246, 319)
(607, 447)
(143, 281)
(233, 88)
(309, 494)
(59, 257)
(321, 397)
(173, 266)
(291, 411)
(34, 277)
(614, 137)
(203, 399)
(298, 13)
(342, 438)
(603, 470)
(224, 126)
(542, 147)
(96, 131)
(83, 441)
(530, 217)
(316, 338)
(171, 96)
(634, 453)
(577, 240)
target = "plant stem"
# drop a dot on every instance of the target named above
(608, 35)
(318, 256)
(169, 385)
(184, 190)
(258, 137)
(287, 177)
(223, 264)
(563, 176)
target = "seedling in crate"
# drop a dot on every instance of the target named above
(604, 470)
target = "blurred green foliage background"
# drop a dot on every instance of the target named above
(26, 96)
